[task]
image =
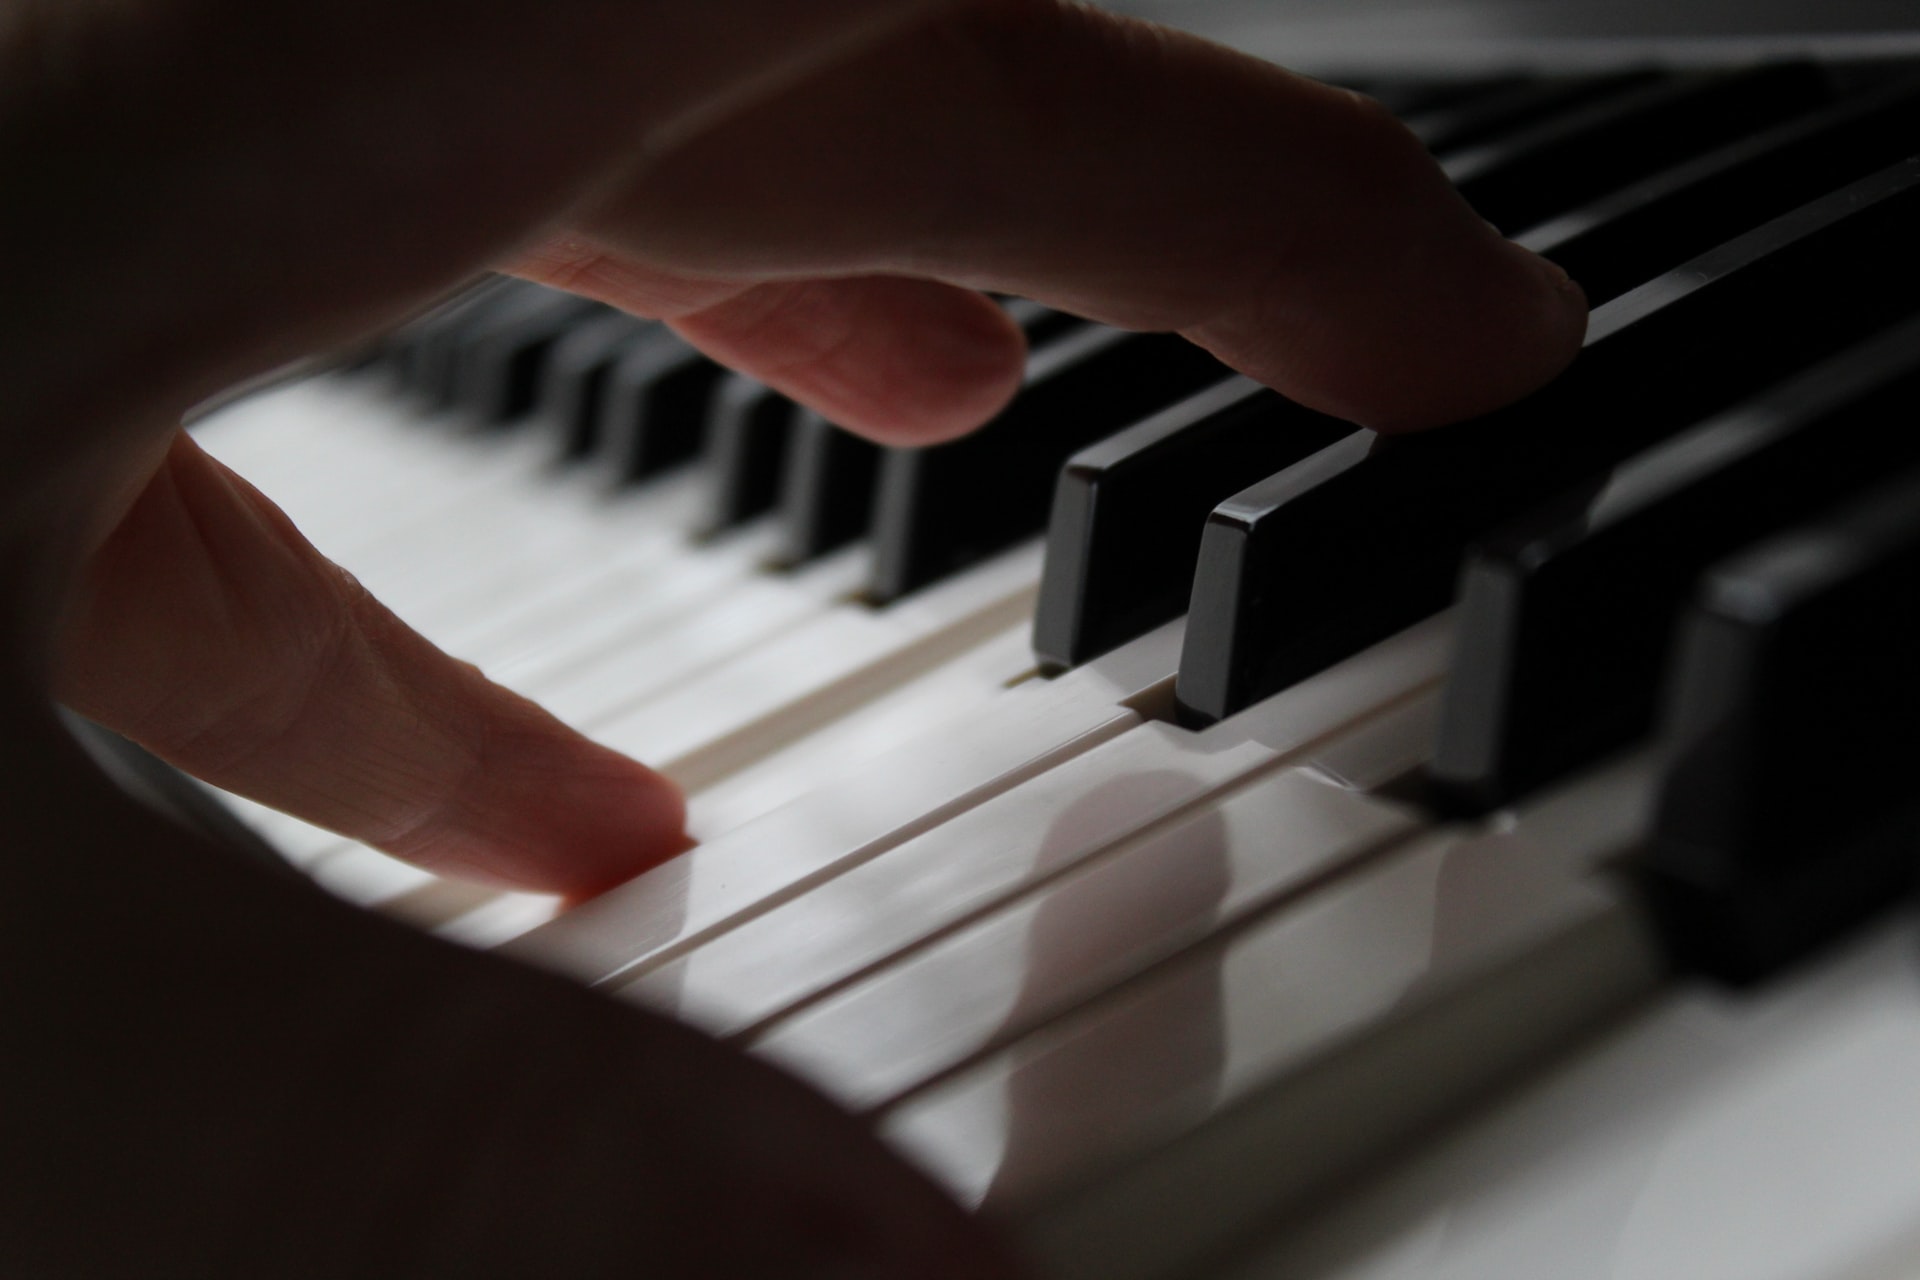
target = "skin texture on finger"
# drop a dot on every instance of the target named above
(302, 171)
(207, 629)
(1134, 175)
(902, 360)
(1144, 178)
(211, 1071)
(198, 189)
(299, 171)
(908, 361)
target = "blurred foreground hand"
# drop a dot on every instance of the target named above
(216, 1074)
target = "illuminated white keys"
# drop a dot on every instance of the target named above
(296, 841)
(596, 696)
(368, 878)
(701, 730)
(359, 475)
(486, 585)
(1249, 1072)
(499, 920)
(888, 722)
(1013, 843)
(1760, 1135)
(543, 655)
(450, 530)
(877, 805)
(1077, 936)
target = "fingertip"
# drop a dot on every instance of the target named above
(1456, 334)
(533, 805)
(966, 364)
(1526, 324)
(589, 819)
(902, 361)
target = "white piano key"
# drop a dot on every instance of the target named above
(1235, 1080)
(477, 558)
(1762, 1135)
(472, 915)
(373, 499)
(629, 558)
(1013, 843)
(482, 595)
(966, 866)
(1164, 889)
(499, 920)
(366, 877)
(485, 544)
(377, 476)
(597, 695)
(461, 563)
(293, 430)
(444, 544)
(1398, 741)
(700, 730)
(462, 911)
(893, 720)
(300, 843)
(590, 636)
(880, 804)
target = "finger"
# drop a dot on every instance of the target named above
(903, 360)
(1142, 177)
(315, 1083)
(304, 170)
(210, 631)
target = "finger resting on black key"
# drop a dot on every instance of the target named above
(1138, 176)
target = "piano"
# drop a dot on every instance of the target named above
(1213, 841)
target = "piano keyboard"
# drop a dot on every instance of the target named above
(1467, 855)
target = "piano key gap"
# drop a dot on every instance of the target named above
(1155, 703)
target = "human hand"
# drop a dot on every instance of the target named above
(814, 194)
(202, 189)
(210, 1071)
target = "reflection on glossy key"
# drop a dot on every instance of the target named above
(1627, 237)
(1080, 936)
(1010, 845)
(877, 805)
(754, 608)
(717, 722)
(1716, 1135)
(1336, 1026)
(891, 721)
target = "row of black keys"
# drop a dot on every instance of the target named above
(1734, 230)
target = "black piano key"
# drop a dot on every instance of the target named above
(748, 430)
(1788, 812)
(1041, 324)
(1413, 97)
(1628, 237)
(1566, 618)
(1128, 512)
(574, 385)
(827, 494)
(1364, 538)
(498, 363)
(424, 364)
(952, 505)
(1523, 179)
(390, 353)
(653, 414)
(1481, 117)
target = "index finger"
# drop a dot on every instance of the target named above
(1129, 173)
